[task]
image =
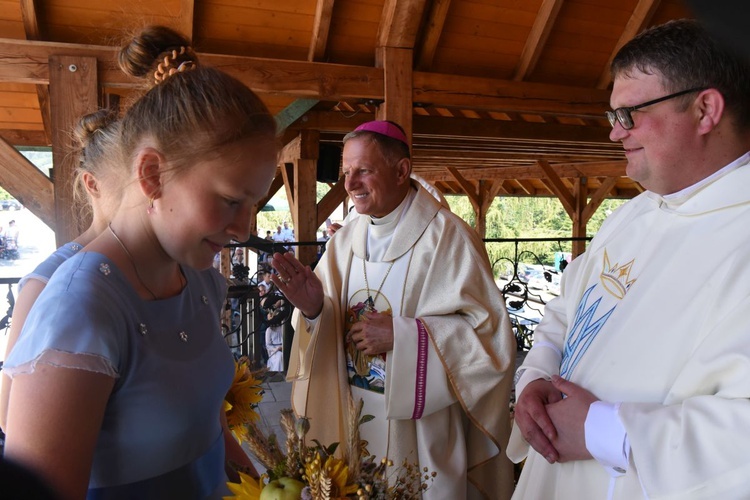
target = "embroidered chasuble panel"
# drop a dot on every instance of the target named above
(384, 281)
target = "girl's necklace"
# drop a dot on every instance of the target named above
(370, 302)
(132, 261)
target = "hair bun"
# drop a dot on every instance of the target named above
(156, 49)
(88, 125)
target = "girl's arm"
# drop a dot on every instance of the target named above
(54, 418)
(26, 298)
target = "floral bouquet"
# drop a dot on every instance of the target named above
(310, 471)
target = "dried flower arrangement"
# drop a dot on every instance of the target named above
(311, 471)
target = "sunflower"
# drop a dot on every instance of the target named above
(248, 489)
(242, 399)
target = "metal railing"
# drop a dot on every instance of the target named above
(526, 280)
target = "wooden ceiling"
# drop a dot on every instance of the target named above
(503, 90)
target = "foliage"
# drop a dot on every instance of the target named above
(532, 217)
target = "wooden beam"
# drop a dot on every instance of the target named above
(24, 137)
(598, 197)
(31, 27)
(545, 20)
(398, 105)
(292, 113)
(488, 190)
(304, 210)
(291, 151)
(640, 18)
(504, 95)
(73, 93)
(26, 183)
(333, 121)
(477, 129)
(321, 28)
(580, 194)
(554, 182)
(432, 31)
(25, 62)
(527, 186)
(332, 199)
(187, 17)
(467, 187)
(399, 23)
(570, 170)
(287, 173)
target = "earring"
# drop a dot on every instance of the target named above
(150, 208)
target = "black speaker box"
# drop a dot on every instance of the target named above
(329, 161)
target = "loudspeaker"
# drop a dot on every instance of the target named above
(329, 161)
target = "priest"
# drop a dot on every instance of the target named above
(403, 312)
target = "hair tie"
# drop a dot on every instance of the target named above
(168, 66)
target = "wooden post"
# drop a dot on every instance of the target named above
(580, 192)
(397, 63)
(73, 92)
(304, 209)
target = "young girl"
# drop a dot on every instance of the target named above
(121, 371)
(98, 180)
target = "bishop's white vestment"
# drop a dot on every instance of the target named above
(441, 396)
(655, 315)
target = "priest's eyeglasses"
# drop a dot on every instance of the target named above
(624, 116)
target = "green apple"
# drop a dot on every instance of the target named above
(283, 488)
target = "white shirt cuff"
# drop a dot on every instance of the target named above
(606, 437)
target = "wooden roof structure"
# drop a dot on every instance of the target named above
(500, 97)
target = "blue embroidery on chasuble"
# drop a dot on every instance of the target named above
(615, 282)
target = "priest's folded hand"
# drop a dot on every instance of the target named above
(569, 418)
(373, 335)
(532, 418)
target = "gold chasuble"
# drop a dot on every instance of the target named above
(440, 397)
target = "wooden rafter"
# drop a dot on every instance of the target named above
(598, 197)
(27, 184)
(399, 23)
(25, 62)
(545, 20)
(556, 185)
(187, 16)
(332, 199)
(467, 187)
(574, 170)
(640, 18)
(321, 28)
(431, 37)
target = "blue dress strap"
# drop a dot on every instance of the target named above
(196, 480)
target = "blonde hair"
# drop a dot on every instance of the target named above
(97, 138)
(190, 111)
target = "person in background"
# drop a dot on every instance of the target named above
(120, 373)
(98, 181)
(403, 312)
(637, 384)
(287, 232)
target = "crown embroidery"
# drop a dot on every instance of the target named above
(615, 278)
